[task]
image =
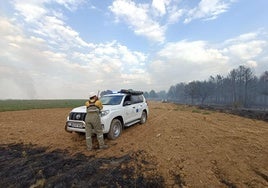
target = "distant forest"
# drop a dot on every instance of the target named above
(240, 88)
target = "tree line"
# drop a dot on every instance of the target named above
(240, 88)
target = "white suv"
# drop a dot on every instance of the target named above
(121, 109)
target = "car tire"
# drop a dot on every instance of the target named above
(143, 117)
(115, 129)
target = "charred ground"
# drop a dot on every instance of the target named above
(30, 166)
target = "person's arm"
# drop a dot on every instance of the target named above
(87, 104)
(99, 104)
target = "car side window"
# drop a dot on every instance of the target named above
(140, 98)
(127, 100)
(136, 99)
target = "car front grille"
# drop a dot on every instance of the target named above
(77, 116)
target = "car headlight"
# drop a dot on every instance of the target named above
(104, 113)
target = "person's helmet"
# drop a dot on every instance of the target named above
(92, 95)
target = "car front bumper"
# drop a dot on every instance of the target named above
(75, 126)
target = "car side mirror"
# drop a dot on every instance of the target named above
(127, 103)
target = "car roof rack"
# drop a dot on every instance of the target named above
(131, 92)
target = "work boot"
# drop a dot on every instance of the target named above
(104, 146)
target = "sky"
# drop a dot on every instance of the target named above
(67, 49)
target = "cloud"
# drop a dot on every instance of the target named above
(152, 20)
(244, 37)
(160, 6)
(42, 56)
(208, 10)
(247, 50)
(251, 63)
(138, 18)
(71, 5)
(15, 83)
(55, 29)
(47, 23)
(184, 51)
(246, 47)
(31, 11)
(184, 61)
(31, 68)
(175, 14)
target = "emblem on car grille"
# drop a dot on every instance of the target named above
(78, 116)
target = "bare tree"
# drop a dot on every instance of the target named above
(263, 86)
(240, 79)
(248, 78)
(264, 83)
(240, 88)
(152, 94)
(191, 90)
(172, 93)
(233, 76)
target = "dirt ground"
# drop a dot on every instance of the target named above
(179, 146)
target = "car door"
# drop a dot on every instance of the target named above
(129, 109)
(137, 106)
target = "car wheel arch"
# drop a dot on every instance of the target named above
(144, 119)
(115, 131)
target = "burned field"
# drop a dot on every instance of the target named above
(26, 166)
(259, 114)
(179, 146)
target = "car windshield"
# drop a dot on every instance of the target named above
(111, 100)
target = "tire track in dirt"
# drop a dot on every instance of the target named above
(175, 179)
(169, 107)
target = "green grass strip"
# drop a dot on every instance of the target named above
(14, 105)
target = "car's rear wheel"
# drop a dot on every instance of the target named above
(143, 117)
(115, 129)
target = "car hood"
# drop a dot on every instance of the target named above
(110, 107)
(83, 109)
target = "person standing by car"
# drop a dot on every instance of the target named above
(92, 120)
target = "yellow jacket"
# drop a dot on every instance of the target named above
(97, 103)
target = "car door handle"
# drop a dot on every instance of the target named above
(133, 107)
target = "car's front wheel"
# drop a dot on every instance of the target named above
(115, 129)
(143, 117)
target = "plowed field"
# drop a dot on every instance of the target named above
(179, 146)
